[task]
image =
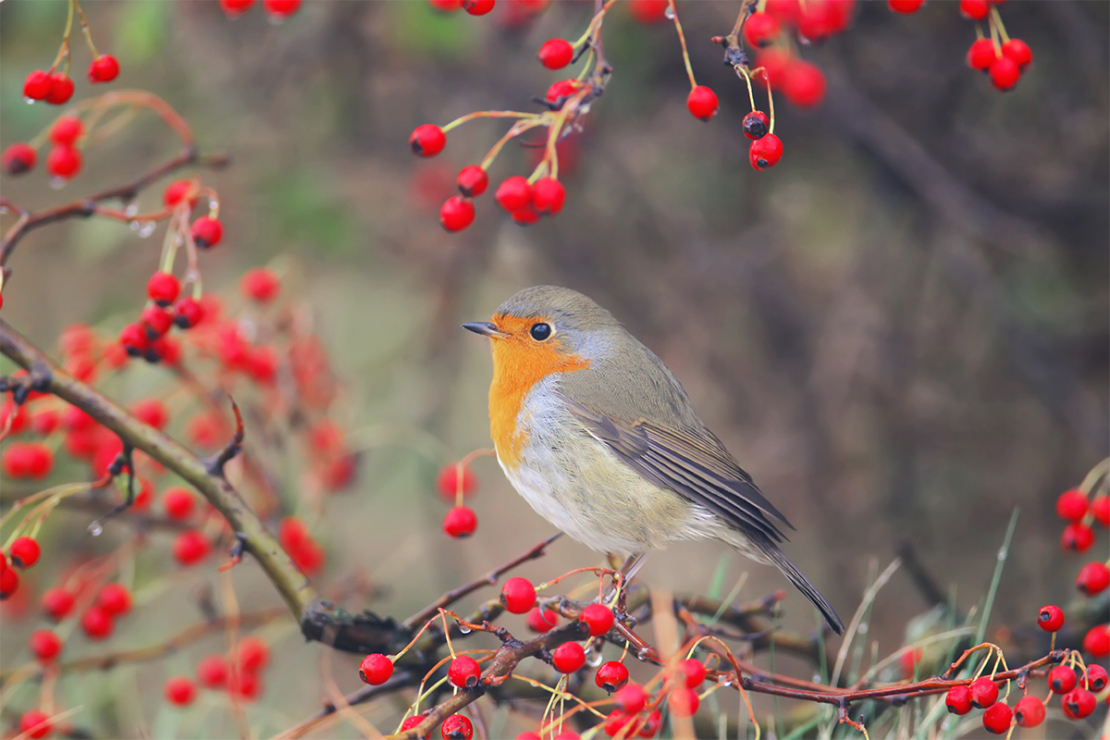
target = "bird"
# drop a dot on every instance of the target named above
(600, 438)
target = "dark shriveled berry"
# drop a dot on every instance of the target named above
(756, 125)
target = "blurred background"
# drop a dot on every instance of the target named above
(900, 330)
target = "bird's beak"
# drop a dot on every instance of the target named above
(485, 328)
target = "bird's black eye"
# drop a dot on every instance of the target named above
(540, 331)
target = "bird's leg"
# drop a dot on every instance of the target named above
(631, 565)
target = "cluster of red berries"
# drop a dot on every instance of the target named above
(331, 459)
(64, 160)
(23, 553)
(57, 88)
(628, 718)
(460, 521)
(302, 548)
(277, 9)
(241, 678)
(1076, 697)
(1081, 511)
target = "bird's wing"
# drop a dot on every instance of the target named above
(694, 464)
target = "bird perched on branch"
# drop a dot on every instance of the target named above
(595, 433)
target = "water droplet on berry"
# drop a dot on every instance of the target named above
(95, 529)
(29, 101)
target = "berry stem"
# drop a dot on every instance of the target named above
(517, 129)
(487, 114)
(594, 26)
(682, 41)
(996, 22)
(740, 71)
(85, 29)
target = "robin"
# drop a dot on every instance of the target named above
(599, 437)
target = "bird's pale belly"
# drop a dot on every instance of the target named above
(577, 484)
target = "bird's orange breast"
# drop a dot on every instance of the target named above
(518, 364)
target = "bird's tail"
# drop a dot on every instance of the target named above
(778, 557)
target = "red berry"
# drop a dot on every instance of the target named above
(1050, 618)
(981, 55)
(212, 671)
(19, 158)
(35, 724)
(45, 645)
(651, 725)
(427, 140)
(548, 195)
(684, 702)
(1097, 641)
(156, 321)
(24, 552)
(478, 7)
(9, 582)
(958, 700)
(260, 284)
(104, 68)
(63, 162)
(163, 288)
(756, 125)
(514, 193)
(1093, 578)
(37, 85)
(190, 547)
(631, 699)
(281, 8)
(692, 672)
(30, 460)
(1005, 73)
(617, 723)
(542, 620)
(1095, 678)
(188, 312)
(177, 191)
(460, 522)
(375, 669)
(178, 502)
(556, 53)
(775, 63)
(1072, 505)
(97, 623)
(761, 29)
(472, 181)
(975, 10)
(804, 85)
(450, 483)
(765, 152)
(236, 7)
(568, 657)
(1079, 703)
(134, 339)
(598, 619)
(702, 103)
(115, 599)
(648, 11)
(180, 691)
(254, 654)
(61, 89)
(561, 90)
(1077, 537)
(456, 727)
(1061, 679)
(905, 6)
(446, 6)
(464, 672)
(518, 595)
(207, 232)
(984, 692)
(1100, 510)
(245, 685)
(1019, 52)
(611, 676)
(412, 722)
(456, 213)
(1029, 711)
(57, 603)
(526, 215)
(998, 717)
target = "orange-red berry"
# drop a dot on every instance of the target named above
(427, 140)
(702, 103)
(104, 68)
(180, 691)
(1061, 679)
(518, 595)
(958, 700)
(24, 552)
(542, 620)
(1029, 711)
(761, 29)
(1078, 703)
(456, 213)
(375, 669)
(598, 619)
(460, 521)
(998, 717)
(114, 598)
(568, 657)
(556, 53)
(464, 672)
(45, 645)
(765, 152)
(611, 676)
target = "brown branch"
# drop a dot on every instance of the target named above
(290, 582)
(86, 207)
(187, 636)
(487, 580)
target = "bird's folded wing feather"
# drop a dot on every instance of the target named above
(694, 464)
